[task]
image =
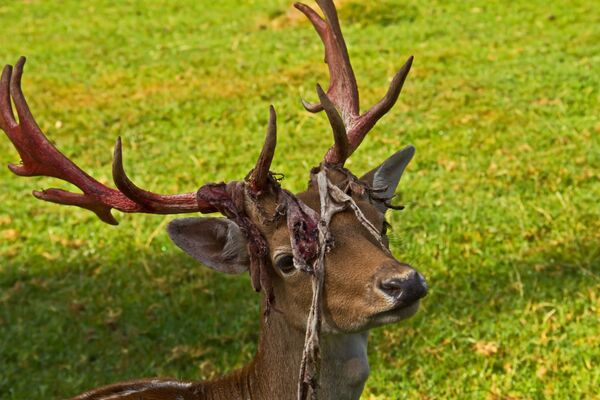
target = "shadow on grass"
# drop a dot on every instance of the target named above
(64, 332)
(87, 325)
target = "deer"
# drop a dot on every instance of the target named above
(319, 258)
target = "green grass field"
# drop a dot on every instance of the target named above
(502, 215)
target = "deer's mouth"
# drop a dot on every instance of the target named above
(397, 313)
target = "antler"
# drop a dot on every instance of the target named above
(259, 176)
(341, 100)
(41, 158)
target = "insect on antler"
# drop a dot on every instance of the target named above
(40, 158)
(340, 102)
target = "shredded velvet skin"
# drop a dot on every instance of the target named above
(228, 199)
(310, 238)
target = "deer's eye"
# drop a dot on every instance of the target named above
(285, 263)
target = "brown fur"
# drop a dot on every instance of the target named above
(352, 305)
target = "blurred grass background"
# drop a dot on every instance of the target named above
(502, 211)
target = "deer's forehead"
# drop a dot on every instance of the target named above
(347, 217)
(343, 225)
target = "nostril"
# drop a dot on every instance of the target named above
(405, 289)
(392, 287)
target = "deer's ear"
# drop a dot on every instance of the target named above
(388, 174)
(216, 242)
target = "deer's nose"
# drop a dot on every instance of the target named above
(405, 289)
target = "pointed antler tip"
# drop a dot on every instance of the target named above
(303, 8)
(323, 97)
(118, 150)
(15, 84)
(272, 129)
(38, 194)
(18, 169)
(20, 63)
(47, 195)
(311, 107)
(118, 171)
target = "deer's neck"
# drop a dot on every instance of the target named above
(273, 374)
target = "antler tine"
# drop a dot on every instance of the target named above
(259, 176)
(153, 202)
(11, 85)
(375, 113)
(7, 119)
(340, 146)
(343, 90)
(40, 158)
(63, 197)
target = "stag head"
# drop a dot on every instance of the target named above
(283, 240)
(365, 285)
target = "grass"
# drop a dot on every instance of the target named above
(502, 202)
